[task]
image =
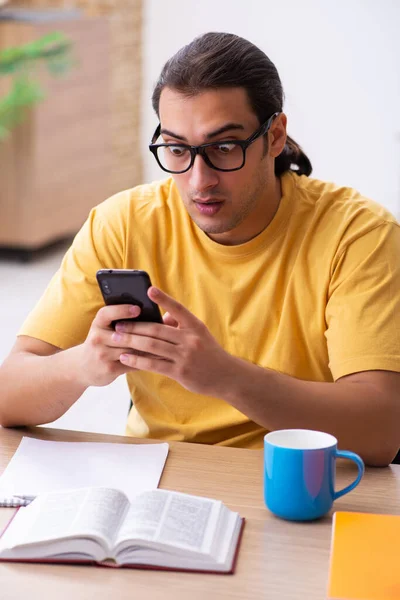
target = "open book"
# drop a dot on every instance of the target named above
(157, 529)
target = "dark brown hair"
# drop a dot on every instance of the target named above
(223, 60)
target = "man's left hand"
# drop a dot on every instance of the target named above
(182, 348)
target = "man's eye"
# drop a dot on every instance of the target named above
(177, 151)
(224, 148)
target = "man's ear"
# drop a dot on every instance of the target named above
(277, 135)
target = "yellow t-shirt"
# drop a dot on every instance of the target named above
(316, 295)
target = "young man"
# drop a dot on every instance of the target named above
(280, 293)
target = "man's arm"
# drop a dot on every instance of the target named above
(39, 382)
(361, 410)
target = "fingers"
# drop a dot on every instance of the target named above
(103, 348)
(176, 310)
(146, 363)
(142, 345)
(150, 330)
(101, 357)
(116, 312)
(101, 343)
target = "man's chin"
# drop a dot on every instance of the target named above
(211, 225)
(213, 228)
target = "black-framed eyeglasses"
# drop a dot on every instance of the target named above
(227, 155)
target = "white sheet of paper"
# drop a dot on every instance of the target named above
(40, 466)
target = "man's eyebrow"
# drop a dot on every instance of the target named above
(224, 129)
(219, 131)
(172, 134)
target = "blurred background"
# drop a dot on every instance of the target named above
(76, 79)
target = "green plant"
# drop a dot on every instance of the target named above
(22, 63)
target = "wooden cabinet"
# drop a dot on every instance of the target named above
(57, 165)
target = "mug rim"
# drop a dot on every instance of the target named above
(330, 439)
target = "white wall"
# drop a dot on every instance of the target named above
(340, 67)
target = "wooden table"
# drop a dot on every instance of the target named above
(277, 560)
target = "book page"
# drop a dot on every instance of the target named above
(171, 518)
(42, 466)
(143, 517)
(95, 512)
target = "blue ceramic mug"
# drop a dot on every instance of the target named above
(299, 473)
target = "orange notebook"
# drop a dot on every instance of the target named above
(365, 557)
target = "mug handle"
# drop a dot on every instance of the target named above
(361, 469)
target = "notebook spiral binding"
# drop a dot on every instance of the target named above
(13, 502)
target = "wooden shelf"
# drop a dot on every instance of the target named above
(57, 165)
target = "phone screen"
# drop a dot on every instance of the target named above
(125, 286)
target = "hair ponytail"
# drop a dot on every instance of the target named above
(292, 158)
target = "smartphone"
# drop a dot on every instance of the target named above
(129, 286)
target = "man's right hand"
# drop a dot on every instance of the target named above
(99, 362)
(39, 381)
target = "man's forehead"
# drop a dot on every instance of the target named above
(226, 96)
(207, 111)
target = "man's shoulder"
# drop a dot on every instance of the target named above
(144, 197)
(341, 204)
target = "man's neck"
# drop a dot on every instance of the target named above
(246, 231)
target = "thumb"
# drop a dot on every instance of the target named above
(169, 320)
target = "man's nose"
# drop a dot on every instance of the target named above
(202, 176)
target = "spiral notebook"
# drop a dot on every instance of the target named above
(15, 501)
